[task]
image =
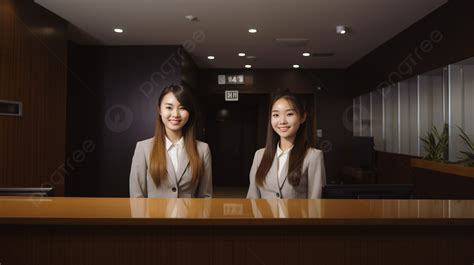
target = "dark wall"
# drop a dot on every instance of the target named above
(443, 37)
(334, 115)
(33, 69)
(332, 105)
(113, 99)
(85, 79)
(265, 80)
(189, 70)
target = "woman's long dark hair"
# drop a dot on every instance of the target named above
(300, 146)
(158, 153)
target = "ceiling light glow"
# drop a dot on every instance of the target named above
(341, 29)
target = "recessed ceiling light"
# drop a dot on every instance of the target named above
(341, 29)
(296, 66)
(248, 66)
(253, 30)
(117, 30)
(191, 18)
(306, 54)
(241, 54)
(210, 57)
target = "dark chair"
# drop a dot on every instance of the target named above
(361, 169)
(42, 192)
(369, 191)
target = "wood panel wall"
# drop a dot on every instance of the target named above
(260, 245)
(33, 59)
(440, 38)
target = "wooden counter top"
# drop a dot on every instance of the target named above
(137, 211)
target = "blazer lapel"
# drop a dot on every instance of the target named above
(170, 169)
(285, 175)
(272, 177)
(183, 162)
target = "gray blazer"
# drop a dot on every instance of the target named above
(178, 185)
(311, 183)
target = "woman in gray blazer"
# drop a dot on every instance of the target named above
(172, 164)
(287, 167)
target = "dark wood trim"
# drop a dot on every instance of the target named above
(448, 168)
(332, 245)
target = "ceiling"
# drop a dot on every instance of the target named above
(222, 27)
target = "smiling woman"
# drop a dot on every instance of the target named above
(173, 164)
(287, 167)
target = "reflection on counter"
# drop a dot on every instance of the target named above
(299, 209)
(140, 208)
(398, 209)
(170, 208)
(286, 208)
(224, 208)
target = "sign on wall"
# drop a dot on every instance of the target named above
(230, 79)
(231, 95)
(11, 108)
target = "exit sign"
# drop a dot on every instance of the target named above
(231, 95)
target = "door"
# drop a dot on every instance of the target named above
(234, 131)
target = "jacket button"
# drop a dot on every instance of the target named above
(174, 189)
(278, 195)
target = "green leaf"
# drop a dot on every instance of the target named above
(468, 156)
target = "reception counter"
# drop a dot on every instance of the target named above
(234, 231)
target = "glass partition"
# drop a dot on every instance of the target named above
(408, 121)
(461, 105)
(390, 116)
(433, 101)
(377, 119)
(365, 117)
(356, 116)
(398, 115)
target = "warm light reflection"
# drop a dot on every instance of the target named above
(110, 208)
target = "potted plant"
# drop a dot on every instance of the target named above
(468, 156)
(436, 145)
(436, 158)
